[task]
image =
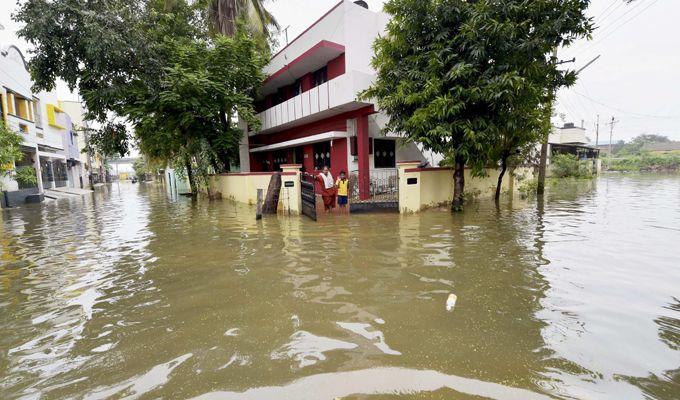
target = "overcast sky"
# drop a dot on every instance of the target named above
(636, 79)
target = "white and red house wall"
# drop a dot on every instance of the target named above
(309, 111)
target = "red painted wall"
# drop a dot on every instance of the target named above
(307, 82)
(337, 123)
(308, 161)
(336, 67)
(338, 157)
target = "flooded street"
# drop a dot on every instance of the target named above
(131, 293)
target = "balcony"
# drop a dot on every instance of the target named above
(334, 97)
(33, 135)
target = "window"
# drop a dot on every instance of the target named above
(280, 157)
(280, 96)
(320, 76)
(37, 112)
(19, 106)
(384, 153)
(297, 87)
(322, 155)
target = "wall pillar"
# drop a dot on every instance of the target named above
(364, 181)
(292, 194)
(409, 192)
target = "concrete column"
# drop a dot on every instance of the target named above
(52, 182)
(38, 171)
(363, 160)
(244, 151)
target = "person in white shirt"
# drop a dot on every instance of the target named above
(327, 189)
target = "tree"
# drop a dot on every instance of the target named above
(181, 120)
(472, 80)
(638, 143)
(223, 16)
(10, 150)
(153, 64)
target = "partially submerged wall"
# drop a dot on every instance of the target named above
(242, 187)
(421, 188)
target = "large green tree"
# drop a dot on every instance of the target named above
(473, 79)
(154, 64)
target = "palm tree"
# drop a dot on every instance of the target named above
(223, 14)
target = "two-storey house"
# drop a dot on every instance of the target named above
(309, 109)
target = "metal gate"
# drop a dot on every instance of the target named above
(383, 192)
(308, 192)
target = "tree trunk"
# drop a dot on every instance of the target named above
(458, 184)
(271, 202)
(190, 176)
(541, 167)
(504, 167)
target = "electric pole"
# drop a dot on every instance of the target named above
(543, 162)
(611, 135)
(597, 130)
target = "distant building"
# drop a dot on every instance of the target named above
(44, 126)
(92, 162)
(571, 139)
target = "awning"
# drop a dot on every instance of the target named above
(51, 155)
(321, 137)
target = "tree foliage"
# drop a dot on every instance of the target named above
(223, 16)
(474, 80)
(154, 64)
(638, 143)
(10, 150)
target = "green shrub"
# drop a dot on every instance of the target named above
(528, 187)
(569, 166)
(26, 177)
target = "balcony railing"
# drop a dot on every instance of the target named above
(325, 97)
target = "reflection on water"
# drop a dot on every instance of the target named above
(132, 294)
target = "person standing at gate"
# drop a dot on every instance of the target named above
(327, 189)
(342, 183)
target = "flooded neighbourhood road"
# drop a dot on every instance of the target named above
(132, 294)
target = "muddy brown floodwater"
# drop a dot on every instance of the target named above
(134, 294)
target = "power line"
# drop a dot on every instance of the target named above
(628, 112)
(604, 15)
(601, 18)
(601, 39)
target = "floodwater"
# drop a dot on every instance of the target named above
(134, 294)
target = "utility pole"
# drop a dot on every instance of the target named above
(611, 135)
(544, 146)
(543, 163)
(597, 130)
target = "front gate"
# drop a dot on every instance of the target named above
(383, 192)
(308, 193)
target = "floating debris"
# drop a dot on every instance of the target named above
(232, 332)
(451, 302)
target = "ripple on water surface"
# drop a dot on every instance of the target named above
(132, 293)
